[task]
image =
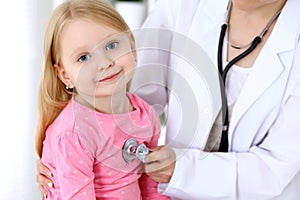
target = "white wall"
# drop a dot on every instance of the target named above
(22, 24)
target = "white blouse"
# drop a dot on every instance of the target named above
(235, 81)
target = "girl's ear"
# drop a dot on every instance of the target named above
(63, 76)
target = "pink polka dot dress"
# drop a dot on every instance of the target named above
(83, 149)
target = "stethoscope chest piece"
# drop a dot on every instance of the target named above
(132, 150)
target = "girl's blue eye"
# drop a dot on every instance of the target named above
(111, 46)
(84, 58)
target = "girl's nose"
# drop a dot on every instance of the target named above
(108, 64)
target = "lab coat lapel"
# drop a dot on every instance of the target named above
(269, 64)
(275, 57)
(265, 71)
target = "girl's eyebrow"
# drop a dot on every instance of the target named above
(78, 51)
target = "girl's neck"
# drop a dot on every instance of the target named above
(115, 104)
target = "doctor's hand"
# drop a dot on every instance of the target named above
(43, 178)
(160, 164)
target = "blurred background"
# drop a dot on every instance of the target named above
(21, 38)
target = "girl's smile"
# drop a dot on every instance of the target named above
(111, 77)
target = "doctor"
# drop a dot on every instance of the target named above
(262, 91)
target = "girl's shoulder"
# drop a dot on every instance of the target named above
(139, 103)
(64, 121)
(143, 107)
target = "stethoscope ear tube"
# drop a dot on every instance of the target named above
(223, 73)
(224, 137)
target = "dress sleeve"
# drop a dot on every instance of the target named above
(149, 189)
(74, 168)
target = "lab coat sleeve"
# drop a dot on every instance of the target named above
(269, 170)
(262, 173)
(153, 43)
(200, 175)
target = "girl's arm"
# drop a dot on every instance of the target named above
(149, 190)
(74, 168)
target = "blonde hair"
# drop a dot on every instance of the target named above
(53, 96)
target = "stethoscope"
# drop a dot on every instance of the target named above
(223, 72)
(132, 150)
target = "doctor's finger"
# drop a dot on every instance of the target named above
(157, 167)
(43, 180)
(157, 148)
(159, 178)
(161, 155)
(153, 167)
(43, 192)
(160, 174)
(42, 169)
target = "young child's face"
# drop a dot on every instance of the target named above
(96, 59)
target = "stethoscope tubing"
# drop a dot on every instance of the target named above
(223, 73)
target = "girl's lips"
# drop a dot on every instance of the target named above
(111, 77)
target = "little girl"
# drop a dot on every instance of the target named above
(85, 112)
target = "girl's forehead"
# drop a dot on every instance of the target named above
(82, 35)
(85, 31)
(88, 26)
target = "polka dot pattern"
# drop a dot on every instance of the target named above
(83, 149)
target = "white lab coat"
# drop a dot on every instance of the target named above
(264, 133)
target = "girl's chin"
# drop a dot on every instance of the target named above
(103, 91)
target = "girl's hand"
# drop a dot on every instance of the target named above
(160, 164)
(43, 178)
